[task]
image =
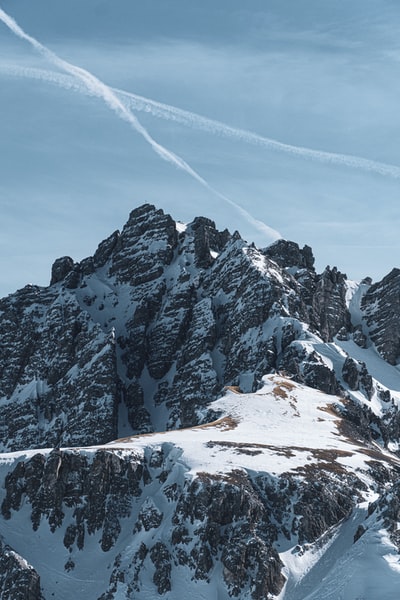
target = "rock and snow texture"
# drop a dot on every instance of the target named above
(258, 504)
(144, 334)
(220, 421)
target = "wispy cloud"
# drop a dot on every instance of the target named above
(194, 120)
(96, 87)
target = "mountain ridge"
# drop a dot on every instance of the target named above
(167, 333)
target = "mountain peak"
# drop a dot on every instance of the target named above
(230, 407)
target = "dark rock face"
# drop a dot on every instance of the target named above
(61, 268)
(288, 254)
(206, 240)
(161, 559)
(359, 337)
(355, 374)
(235, 525)
(318, 375)
(144, 248)
(330, 303)
(213, 524)
(225, 517)
(105, 250)
(322, 504)
(350, 373)
(58, 372)
(100, 491)
(381, 306)
(162, 316)
(324, 295)
(18, 579)
(389, 510)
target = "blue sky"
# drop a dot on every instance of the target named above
(315, 75)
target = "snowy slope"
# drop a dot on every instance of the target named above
(283, 420)
(285, 430)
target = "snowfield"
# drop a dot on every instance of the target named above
(284, 427)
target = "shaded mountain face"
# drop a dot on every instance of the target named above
(151, 335)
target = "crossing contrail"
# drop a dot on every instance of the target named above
(196, 121)
(96, 87)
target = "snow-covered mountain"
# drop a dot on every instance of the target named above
(186, 415)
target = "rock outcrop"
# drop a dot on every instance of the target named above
(205, 524)
(142, 337)
(166, 318)
(18, 579)
(381, 305)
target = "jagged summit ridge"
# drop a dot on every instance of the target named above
(217, 418)
(161, 318)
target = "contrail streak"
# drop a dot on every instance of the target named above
(196, 121)
(96, 87)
